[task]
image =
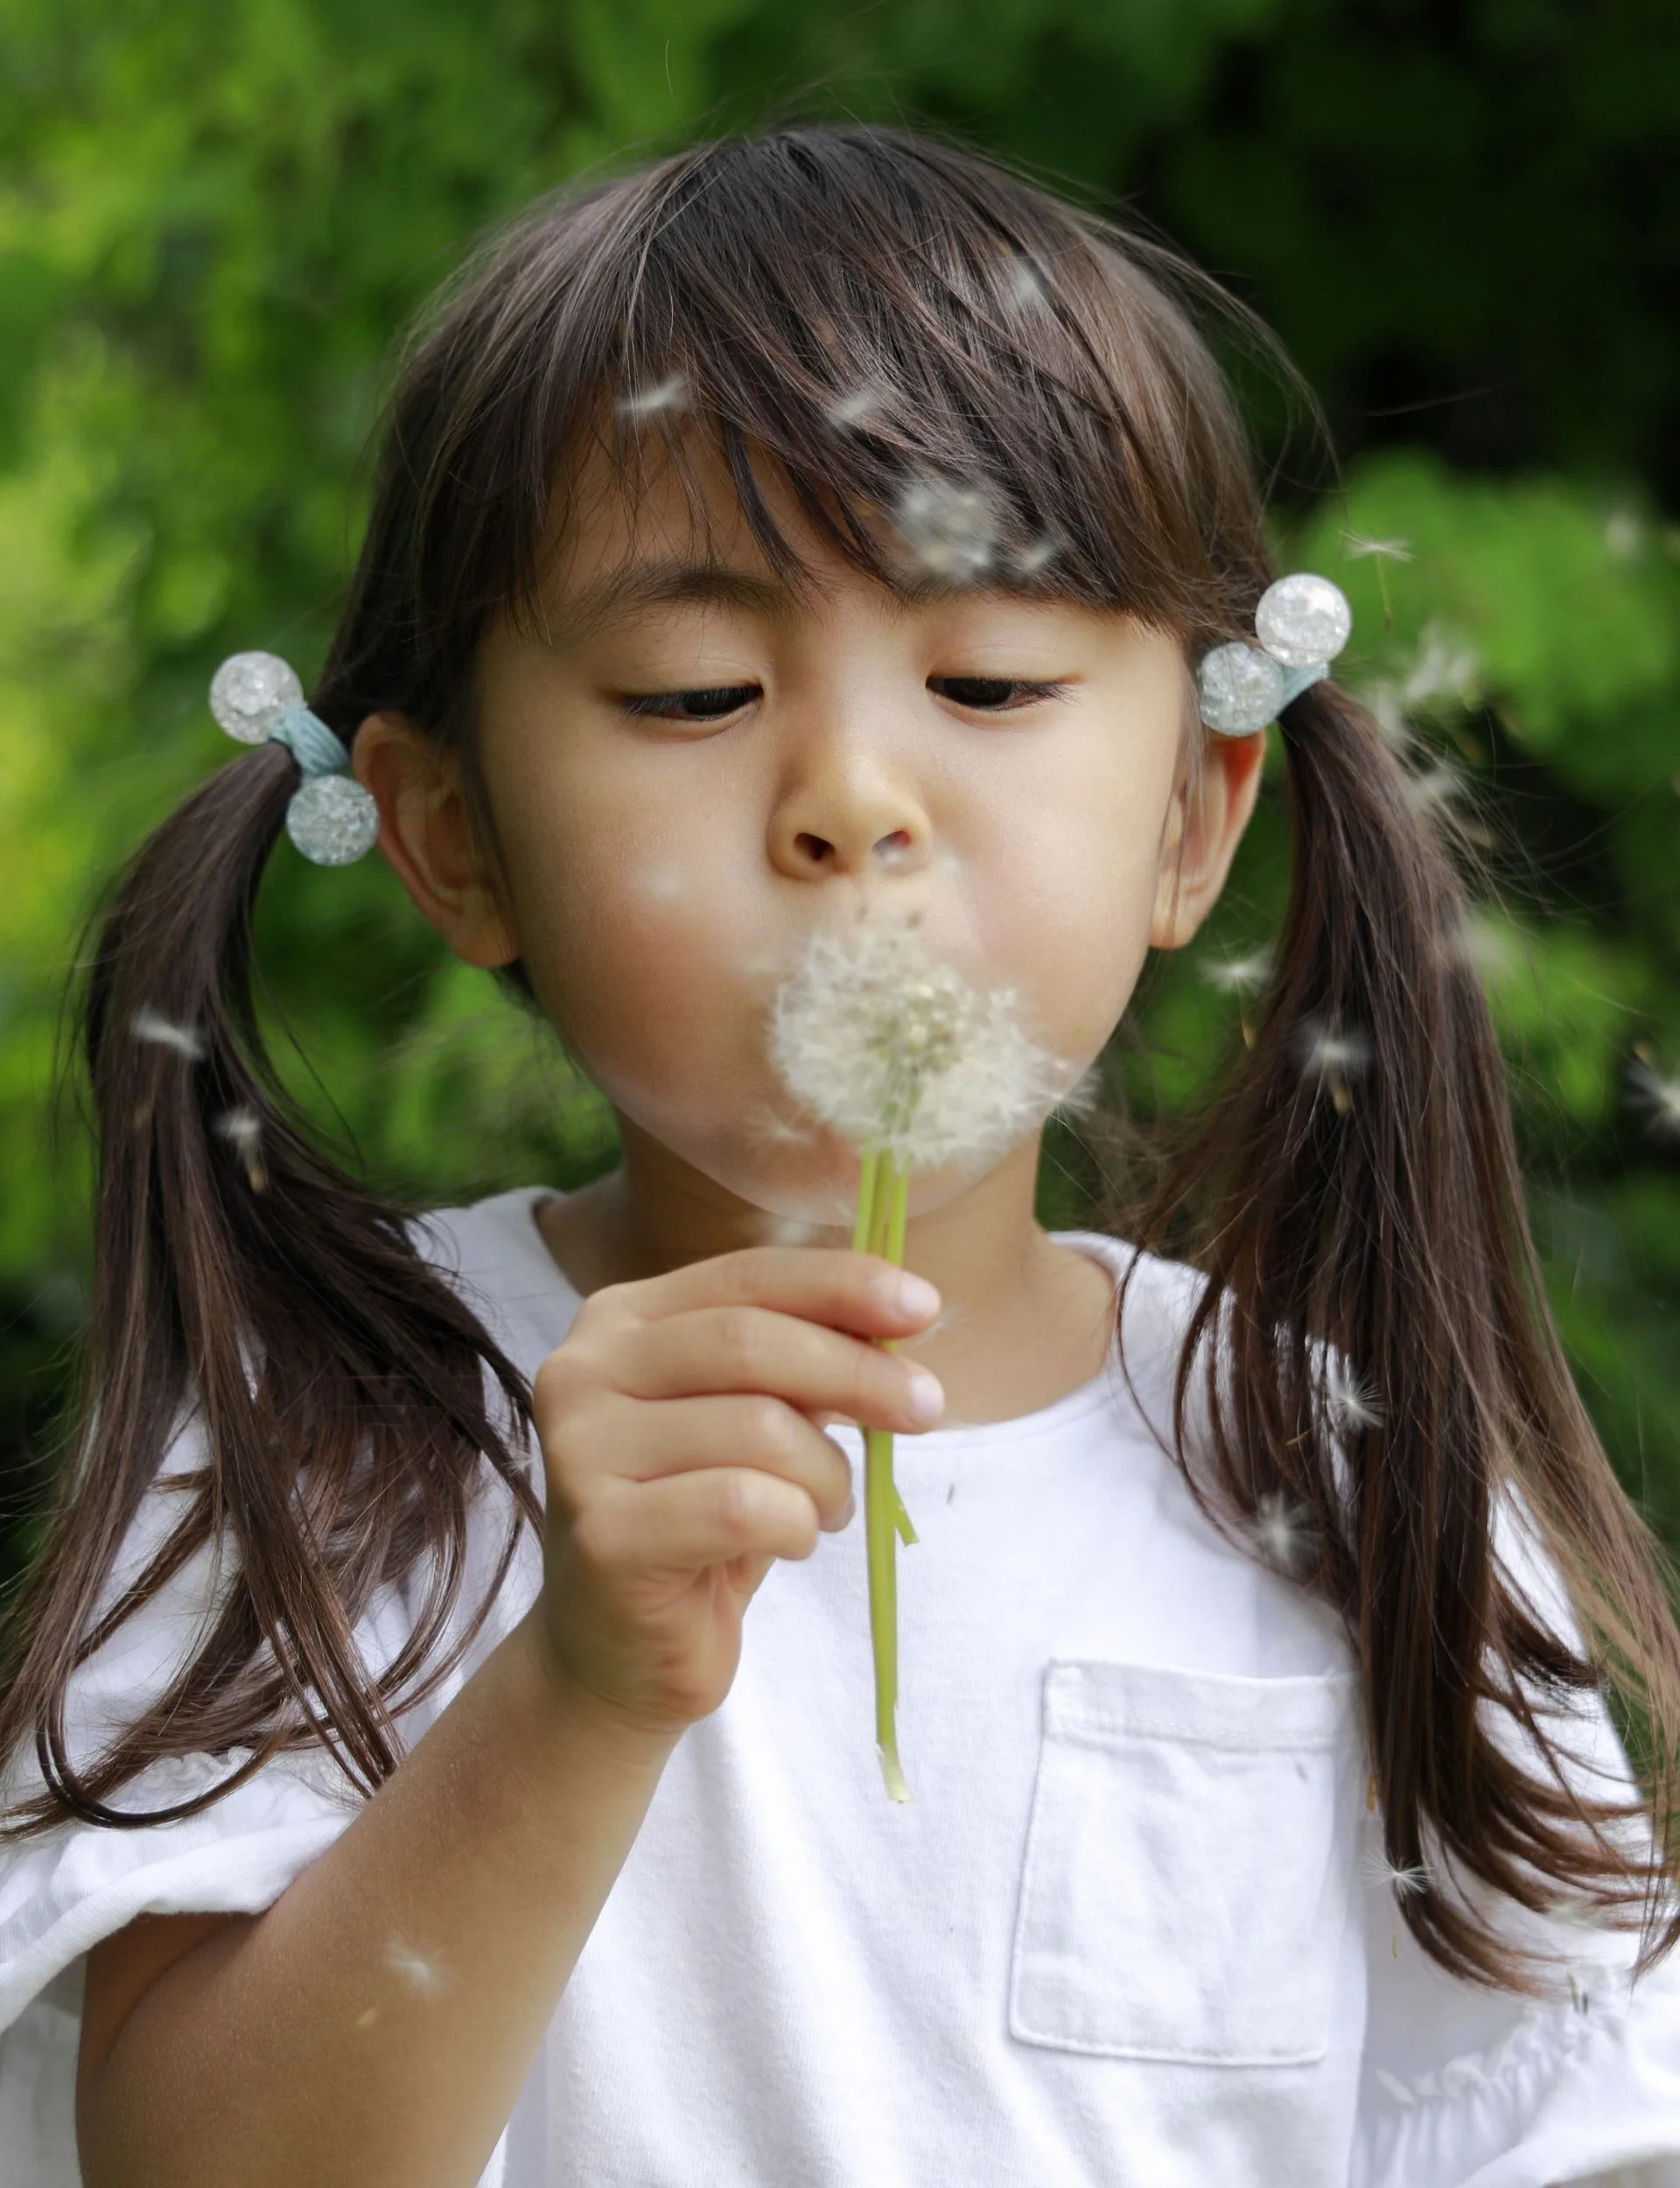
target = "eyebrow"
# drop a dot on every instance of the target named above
(633, 586)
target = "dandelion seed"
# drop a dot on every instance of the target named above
(949, 528)
(670, 394)
(1358, 548)
(1037, 555)
(854, 407)
(1487, 944)
(1381, 1873)
(1438, 786)
(1334, 1056)
(243, 1127)
(1383, 702)
(1235, 975)
(367, 2019)
(421, 1975)
(767, 1128)
(149, 1025)
(1442, 669)
(1024, 283)
(1282, 1531)
(665, 882)
(1348, 1400)
(1659, 1098)
(1623, 534)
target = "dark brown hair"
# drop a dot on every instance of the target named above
(857, 309)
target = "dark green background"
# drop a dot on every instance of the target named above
(1463, 220)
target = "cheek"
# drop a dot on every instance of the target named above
(627, 923)
(1074, 921)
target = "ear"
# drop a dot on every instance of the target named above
(425, 837)
(1206, 836)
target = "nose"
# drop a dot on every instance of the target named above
(838, 826)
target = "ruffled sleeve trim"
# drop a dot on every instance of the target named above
(61, 1893)
(1570, 2091)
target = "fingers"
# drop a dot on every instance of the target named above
(744, 1432)
(858, 1291)
(743, 1348)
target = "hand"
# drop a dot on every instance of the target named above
(678, 1424)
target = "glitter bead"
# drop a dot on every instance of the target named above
(1241, 688)
(1303, 620)
(249, 693)
(333, 820)
(949, 528)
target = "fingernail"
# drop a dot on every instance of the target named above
(927, 1396)
(916, 1296)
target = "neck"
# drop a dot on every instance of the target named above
(1022, 1321)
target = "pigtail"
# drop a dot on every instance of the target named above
(1393, 1366)
(339, 1378)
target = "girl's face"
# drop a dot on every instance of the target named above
(688, 769)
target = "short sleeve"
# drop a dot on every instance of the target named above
(1463, 2087)
(63, 1892)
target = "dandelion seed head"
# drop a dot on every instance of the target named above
(1359, 549)
(1236, 975)
(151, 1025)
(669, 393)
(857, 404)
(948, 529)
(1282, 1531)
(1659, 1098)
(420, 1974)
(889, 1046)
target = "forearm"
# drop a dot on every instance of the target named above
(374, 2028)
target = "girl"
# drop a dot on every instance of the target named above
(825, 525)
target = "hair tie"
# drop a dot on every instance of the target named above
(1302, 623)
(331, 819)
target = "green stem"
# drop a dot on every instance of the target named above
(887, 1188)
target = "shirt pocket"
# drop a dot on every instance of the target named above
(1186, 1881)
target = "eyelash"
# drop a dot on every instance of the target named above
(656, 704)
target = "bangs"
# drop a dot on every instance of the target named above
(960, 379)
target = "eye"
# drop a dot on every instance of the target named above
(993, 695)
(708, 706)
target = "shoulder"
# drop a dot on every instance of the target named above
(493, 1257)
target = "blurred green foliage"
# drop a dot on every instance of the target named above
(1464, 222)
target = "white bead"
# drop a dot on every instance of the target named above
(1303, 620)
(333, 820)
(1241, 688)
(249, 693)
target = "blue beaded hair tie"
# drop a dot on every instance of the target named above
(331, 819)
(1302, 623)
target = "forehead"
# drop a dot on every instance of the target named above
(651, 519)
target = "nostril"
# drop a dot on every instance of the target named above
(813, 846)
(893, 849)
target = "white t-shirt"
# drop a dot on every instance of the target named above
(1124, 1931)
